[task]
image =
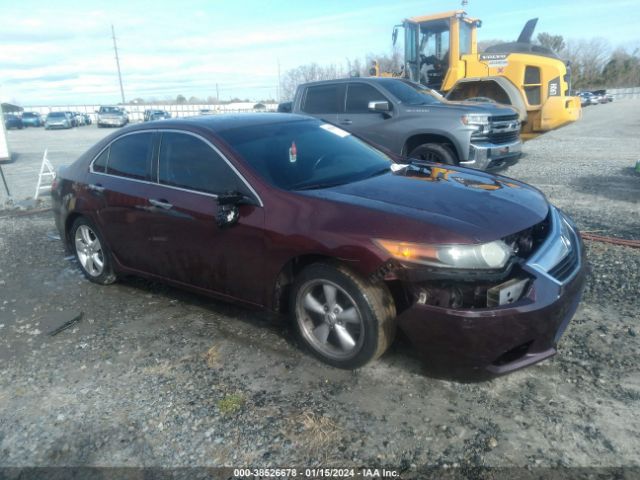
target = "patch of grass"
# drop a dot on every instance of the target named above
(231, 403)
(212, 356)
(315, 433)
(163, 368)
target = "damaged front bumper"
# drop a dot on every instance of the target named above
(500, 339)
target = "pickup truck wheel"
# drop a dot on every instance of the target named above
(433, 152)
(345, 320)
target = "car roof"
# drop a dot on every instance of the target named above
(373, 80)
(225, 121)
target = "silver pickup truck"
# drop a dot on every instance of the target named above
(412, 120)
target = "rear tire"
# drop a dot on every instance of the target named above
(92, 252)
(345, 320)
(433, 152)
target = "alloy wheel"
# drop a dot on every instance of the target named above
(329, 319)
(89, 251)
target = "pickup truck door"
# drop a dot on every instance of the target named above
(357, 118)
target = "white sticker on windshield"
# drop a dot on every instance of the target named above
(335, 130)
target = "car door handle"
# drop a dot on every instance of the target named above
(96, 187)
(346, 122)
(160, 203)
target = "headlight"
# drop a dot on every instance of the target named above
(480, 122)
(492, 255)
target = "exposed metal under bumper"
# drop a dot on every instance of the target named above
(485, 155)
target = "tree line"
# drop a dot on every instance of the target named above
(594, 64)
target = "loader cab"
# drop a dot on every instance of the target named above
(433, 45)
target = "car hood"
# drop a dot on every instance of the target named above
(489, 108)
(453, 205)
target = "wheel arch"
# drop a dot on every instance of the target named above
(68, 223)
(417, 139)
(279, 301)
(284, 280)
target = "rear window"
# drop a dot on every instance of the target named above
(57, 115)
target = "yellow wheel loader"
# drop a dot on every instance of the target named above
(441, 52)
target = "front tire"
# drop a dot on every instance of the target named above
(343, 319)
(433, 152)
(91, 252)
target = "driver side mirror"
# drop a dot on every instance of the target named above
(228, 212)
(380, 107)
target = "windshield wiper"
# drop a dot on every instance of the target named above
(375, 173)
(316, 186)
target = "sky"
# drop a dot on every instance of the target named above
(54, 53)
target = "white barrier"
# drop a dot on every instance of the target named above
(46, 172)
(177, 110)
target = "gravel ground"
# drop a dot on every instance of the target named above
(153, 376)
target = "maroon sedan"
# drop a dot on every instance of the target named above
(291, 214)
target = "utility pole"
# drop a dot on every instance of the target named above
(279, 82)
(115, 48)
(217, 94)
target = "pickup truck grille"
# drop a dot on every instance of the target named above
(504, 137)
(503, 118)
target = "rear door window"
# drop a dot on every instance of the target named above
(130, 155)
(324, 99)
(188, 162)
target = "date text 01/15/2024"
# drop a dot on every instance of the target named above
(316, 472)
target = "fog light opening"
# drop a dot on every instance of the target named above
(512, 355)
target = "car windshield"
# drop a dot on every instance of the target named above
(410, 93)
(110, 110)
(28, 114)
(56, 115)
(306, 154)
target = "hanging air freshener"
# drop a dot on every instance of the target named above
(293, 153)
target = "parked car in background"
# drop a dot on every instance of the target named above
(112, 117)
(58, 120)
(151, 115)
(12, 121)
(293, 214)
(32, 119)
(602, 96)
(413, 121)
(80, 120)
(72, 118)
(587, 98)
